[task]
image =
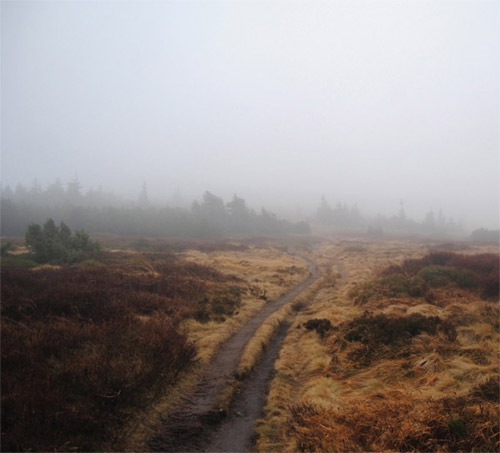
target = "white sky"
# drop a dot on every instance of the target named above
(280, 102)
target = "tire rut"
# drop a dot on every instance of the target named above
(191, 427)
(236, 432)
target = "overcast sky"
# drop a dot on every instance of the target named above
(362, 101)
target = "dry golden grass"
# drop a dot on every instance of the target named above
(267, 272)
(400, 398)
(392, 421)
(303, 357)
(266, 331)
(209, 335)
(255, 347)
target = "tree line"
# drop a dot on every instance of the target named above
(343, 216)
(100, 212)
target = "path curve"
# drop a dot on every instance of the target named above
(190, 428)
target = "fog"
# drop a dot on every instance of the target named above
(279, 102)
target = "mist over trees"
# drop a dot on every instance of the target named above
(485, 235)
(344, 216)
(100, 212)
(340, 216)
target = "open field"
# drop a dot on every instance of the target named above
(399, 354)
(393, 347)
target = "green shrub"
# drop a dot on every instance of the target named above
(58, 244)
(440, 269)
(396, 285)
(439, 276)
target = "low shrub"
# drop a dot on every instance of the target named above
(372, 337)
(439, 276)
(444, 268)
(322, 326)
(395, 285)
(298, 306)
(382, 329)
(58, 244)
(218, 306)
(485, 235)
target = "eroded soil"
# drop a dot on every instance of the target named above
(236, 433)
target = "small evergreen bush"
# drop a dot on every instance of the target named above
(58, 244)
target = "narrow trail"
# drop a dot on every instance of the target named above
(236, 432)
(192, 427)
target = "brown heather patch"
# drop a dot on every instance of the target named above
(84, 347)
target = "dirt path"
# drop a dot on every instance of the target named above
(236, 433)
(191, 428)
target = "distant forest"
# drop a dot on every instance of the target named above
(101, 212)
(343, 216)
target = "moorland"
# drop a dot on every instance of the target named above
(392, 346)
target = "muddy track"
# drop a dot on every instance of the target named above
(236, 432)
(192, 427)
